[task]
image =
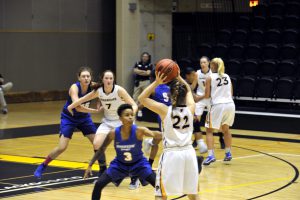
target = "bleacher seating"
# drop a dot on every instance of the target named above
(261, 52)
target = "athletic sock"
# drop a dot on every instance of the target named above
(47, 161)
(200, 142)
(211, 152)
(227, 150)
(151, 141)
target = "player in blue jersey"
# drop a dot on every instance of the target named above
(81, 119)
(162, 94)
(129, 160)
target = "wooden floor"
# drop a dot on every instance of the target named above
(259, 166)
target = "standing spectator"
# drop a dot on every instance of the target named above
(142, 71)
(3, 89)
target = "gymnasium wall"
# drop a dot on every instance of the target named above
(133, 27)
(44, 42)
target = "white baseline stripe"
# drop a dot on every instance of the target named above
(49, 184)
(265, 114)
(260, 155)
(243, 157)
(268, 114)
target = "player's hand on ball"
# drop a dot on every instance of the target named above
(88, 172)
(160, 77)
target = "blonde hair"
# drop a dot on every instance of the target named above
(220, 63)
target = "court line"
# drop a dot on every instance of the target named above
(261, 155)
(8, 183)
(222, 188)
(285, 154)
(245, 184)
(54, 163)
(258, 182)
(287, 162)
(47, 173)
(49, 184)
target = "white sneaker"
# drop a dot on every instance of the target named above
(147, 144)
(134, 184)
(140, 113)
(203, 148)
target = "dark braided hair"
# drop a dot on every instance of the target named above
(178, 93)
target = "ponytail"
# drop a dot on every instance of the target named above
(178, 94)
(95, 86)
(219, 62)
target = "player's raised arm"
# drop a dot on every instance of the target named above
(127, 98)
(151, 104)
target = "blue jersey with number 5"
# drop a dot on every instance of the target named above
(69, 101)
(162, 94)
(129, 150)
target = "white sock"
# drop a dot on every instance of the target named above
(227, 150)
(151, 141)
(211, 152)
(200, 142)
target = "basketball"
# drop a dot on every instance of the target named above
(169, 68)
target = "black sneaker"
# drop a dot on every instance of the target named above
(195, 144)
(134, 183)
(4, 111)
(221, 140)
(200, 161)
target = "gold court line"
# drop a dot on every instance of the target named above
(245, 185)
(54, 163)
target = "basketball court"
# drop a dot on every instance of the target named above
(265, 166)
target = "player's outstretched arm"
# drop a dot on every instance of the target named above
(100, 151)
(77, 102)
(157, 137)
(73, 92)
(84, 109)
(147, 132)
(128, 99)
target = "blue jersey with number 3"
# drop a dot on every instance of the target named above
(130, 150)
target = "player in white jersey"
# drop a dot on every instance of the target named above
(177, 170)
(222, 111)
(111, 97)
(201, 102)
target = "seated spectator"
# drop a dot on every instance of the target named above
(142, 71)
(4, 87)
